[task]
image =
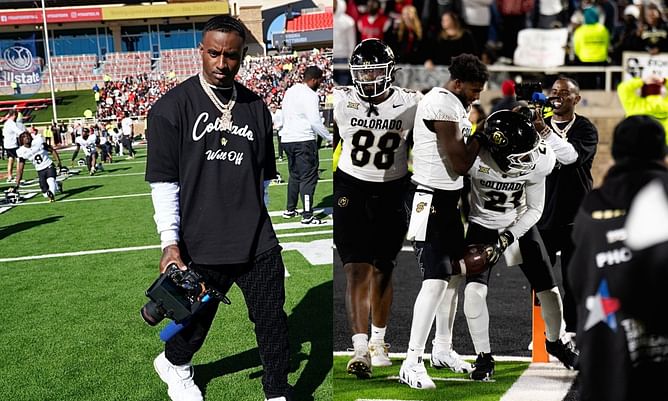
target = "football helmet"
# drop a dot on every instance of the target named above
(512, 141)
(372, 68)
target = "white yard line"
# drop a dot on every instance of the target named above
(402, 355)
(541, 381)
(86, 199)
(140, 248)
(88, 177)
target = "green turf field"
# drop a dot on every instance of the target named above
(72, 104)
(70, 324)
(450, 386)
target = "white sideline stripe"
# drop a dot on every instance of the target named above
(380, 399)
(286, 183)
(4, 209)
(402, 355)
(86, 177)
(443, 379)
(126, 249)
(290, 226)
(541, 381)
(86, 199)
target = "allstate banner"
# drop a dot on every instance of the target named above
(541, 48)
(643, 64)
(20, 68)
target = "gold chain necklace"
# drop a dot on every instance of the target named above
(559, 131)
(225, 109)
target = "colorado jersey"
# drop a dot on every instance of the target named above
(88, 144)
(36, 153)
(513, 202)
(374, 147)
(428, 168)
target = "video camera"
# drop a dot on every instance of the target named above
(532, 93)
(177, 294)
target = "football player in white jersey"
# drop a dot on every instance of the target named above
(37, 151)
(372, 120)
(441, 156)
(507, 199)
(88, 142)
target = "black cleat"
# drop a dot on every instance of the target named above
(483, 368)
(50, 195)
(565, 353)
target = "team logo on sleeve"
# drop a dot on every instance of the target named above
(420, 207)
(483, 169)
(342, 202)
(499, 138)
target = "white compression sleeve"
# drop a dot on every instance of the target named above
(165, 196)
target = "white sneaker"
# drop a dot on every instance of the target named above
(179, 379)
(276, 399)
(360, 364)
(378, 351)
(451, 360)
(415, 376)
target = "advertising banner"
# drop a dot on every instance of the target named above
(57, 15)
(165, 10)
(20, 68)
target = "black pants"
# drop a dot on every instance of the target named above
(127, 144)
(262, 285)
(559, 239)
(303, 166)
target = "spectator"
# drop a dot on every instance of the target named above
(374, 23)
(508, 101)
(301, 125)
(452, 41)
(477, 16)
(277, 120)
(550, 14)
(10, 133)
(513, 19)
(573, 138)
(647, 96)
(408, 37)
(590, 43)
(654, 32)
(127, 126)
(626, 36)
(622, 337)
(344, 41)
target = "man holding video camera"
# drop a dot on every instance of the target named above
(573, 138)
(210, 156)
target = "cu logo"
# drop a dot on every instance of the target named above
(499, 139)
(18, 58)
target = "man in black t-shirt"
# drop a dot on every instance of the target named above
(573, 138)
(618, 271)
(210, 152)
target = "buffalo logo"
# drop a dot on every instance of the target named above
(483, 170)
(420, 206)
(353, 105)
(342, 202)
(499, 139)
(18, 58)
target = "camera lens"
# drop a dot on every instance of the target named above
(152, 313)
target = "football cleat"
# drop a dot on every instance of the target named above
(50, 195)
(179, 379)
(451, 360)
(360, 364)
(379, 350)
(312, 221)
(483, 368)
(416, 376)
(565, 353)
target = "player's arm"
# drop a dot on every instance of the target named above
(53, 151)
(76, 151)
(535, 201)
(336, 137)
(19, 171)
(454, 151)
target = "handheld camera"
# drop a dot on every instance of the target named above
(532, 93)
(177, 294)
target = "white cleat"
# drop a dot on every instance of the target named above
(379, 357)
(360, 364)
(415, 376)
(179, 379)
(450, 360)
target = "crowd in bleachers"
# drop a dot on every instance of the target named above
(432, 32)
(267, 76)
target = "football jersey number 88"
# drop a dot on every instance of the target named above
(363, 140)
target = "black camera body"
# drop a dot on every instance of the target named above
(177, 294)
(532, 93)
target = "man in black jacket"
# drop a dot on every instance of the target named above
(618, 270)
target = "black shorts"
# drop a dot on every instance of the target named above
(369, 219)
(445, 235)
(535, 262)
(49, 172)
(12, 153)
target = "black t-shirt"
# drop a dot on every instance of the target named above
(567, 185)
(223, 216)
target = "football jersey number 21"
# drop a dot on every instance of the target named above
(362, 142)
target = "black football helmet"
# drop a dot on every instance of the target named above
(372, 68)
(512, 141)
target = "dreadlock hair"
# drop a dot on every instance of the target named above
(225, 23)
(468, 68)
(23, 135)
